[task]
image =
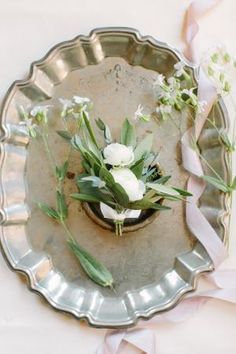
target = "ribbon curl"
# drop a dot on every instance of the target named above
(224, 281)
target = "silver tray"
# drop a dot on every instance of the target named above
(154, 267)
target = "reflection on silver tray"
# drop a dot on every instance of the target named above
(153, 267)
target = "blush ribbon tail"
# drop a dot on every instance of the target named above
(143, 336)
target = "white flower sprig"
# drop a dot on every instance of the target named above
(33, 118)
(75, 107)
(220, 67)
(176, 93)
(139, 115)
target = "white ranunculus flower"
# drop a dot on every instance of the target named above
(134, 188)
(118, 155)
(111, 213)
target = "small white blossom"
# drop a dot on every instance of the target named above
(139, 115)
(219, 66)
(81, 100)
(28, 123)
(96, 181)
(118, 154)
(164, 110)
(160, 80)
(40, 110)
(74, 107)
(66, 103)
(173, 91)
(169, 92)
(67, 107)
(191, 94)
(179, 67)
(139, 112)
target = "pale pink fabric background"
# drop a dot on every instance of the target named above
(27, 31)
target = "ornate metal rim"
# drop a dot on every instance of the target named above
(130, 307)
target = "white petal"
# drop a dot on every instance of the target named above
(111, 213)
(132, 214)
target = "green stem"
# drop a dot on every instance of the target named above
(231, 170)
(89, 129)
(151, 193)
(49, 153)
(214, 126)
(118, 227)
(178, 127)
(67, 230)
(210, 167)
(234, 124)
(156, 199)
(187, 77)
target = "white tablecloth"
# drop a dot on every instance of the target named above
(27, 31)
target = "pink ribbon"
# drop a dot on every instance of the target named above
(194, 12)
(224, 281)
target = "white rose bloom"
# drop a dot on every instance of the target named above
(134, 188)
(111, 213)
(118, 155)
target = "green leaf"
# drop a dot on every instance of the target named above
(89, 129)
(76, 142)
(149, 175)
(93, 148)
(230, 146)
(86, 187)
(120, 195)
(95, 181)
(147, 204)
(107, 177)
(164, 190)
(183, 192)
(137, 168)
(96, 159)
(128, 135)
(115, 188)
(107, 135)
(144, 147)
(100, 124)
(163, 179)
(219, 184)
(105, 129)
(62, 208)
(233, 184)
(85, 197)
(65, 134)
(52, 213)
(62, 171)
(92, 267)
(151, 159)
(86, 166)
